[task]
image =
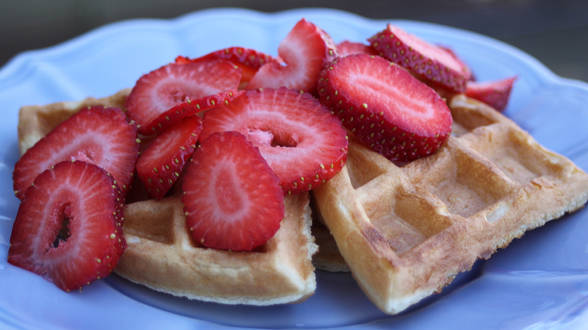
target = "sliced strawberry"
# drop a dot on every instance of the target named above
(467, 72)
(95, 135)
(172, 84)
(303, 143)
(188, 109)
(68, 227)
(161, 164)
(493, 93)
(347, 47)
(248, 60)
(385, 107)
(305, 49)
(232, 199)
(183, 60)
(426, 61)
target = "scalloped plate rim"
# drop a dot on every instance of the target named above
(17, 67)
(24, 58)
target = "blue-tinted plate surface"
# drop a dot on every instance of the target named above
(540, 281)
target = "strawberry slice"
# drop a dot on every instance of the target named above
(164, 88)
(305, 49)
(232, 199)
(95, 135)
(385, 107)
(347, 47)
(161, 164)
(493, 93)
(68, 228)
(301, 140)
(467, 72)
(188, 109)
(248, 60)
(426, 61)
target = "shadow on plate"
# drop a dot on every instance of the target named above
(342, 303)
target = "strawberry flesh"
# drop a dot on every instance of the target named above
(161, 164)
(232, 198)
(68, 228)
(385, 107)
(493, 93)
(304, 50)
(188, 109)
(467, 72)
(303, 143)
(96, 135)
(426, 61)
(246, 59)
(347, 47)
(172, 84)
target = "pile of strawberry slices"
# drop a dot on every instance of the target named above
(232, 131)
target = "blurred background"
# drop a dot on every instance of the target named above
(555, 32)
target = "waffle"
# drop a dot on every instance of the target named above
(405, 232)
(161, 255)
(34, 122)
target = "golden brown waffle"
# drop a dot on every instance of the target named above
(405, 232)
(35, 121)
(160, 254)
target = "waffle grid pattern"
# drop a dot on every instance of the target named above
(162, 256)
(405, 232)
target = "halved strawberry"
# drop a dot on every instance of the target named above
(303, 143)
(188, 109)
(68, 228)
(247, 59)
(493, 93)
(232, 199)
(161, 164)
(347, 47)
(385, 107)
(172, 84)
(96, 135)
(305, 49)
(426, 61)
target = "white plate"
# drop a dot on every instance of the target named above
(539, 281)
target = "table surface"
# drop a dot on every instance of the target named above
(555, 32)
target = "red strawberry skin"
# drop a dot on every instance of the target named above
(96, 135)
(494, 93)
(347, 47)
(68, 228)
(232, 198)
(426, 61)
(162, 163)
(385, 107)
(305, 50)
(172, 84)
(248, 60)
(303, 143)
(188, 109)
